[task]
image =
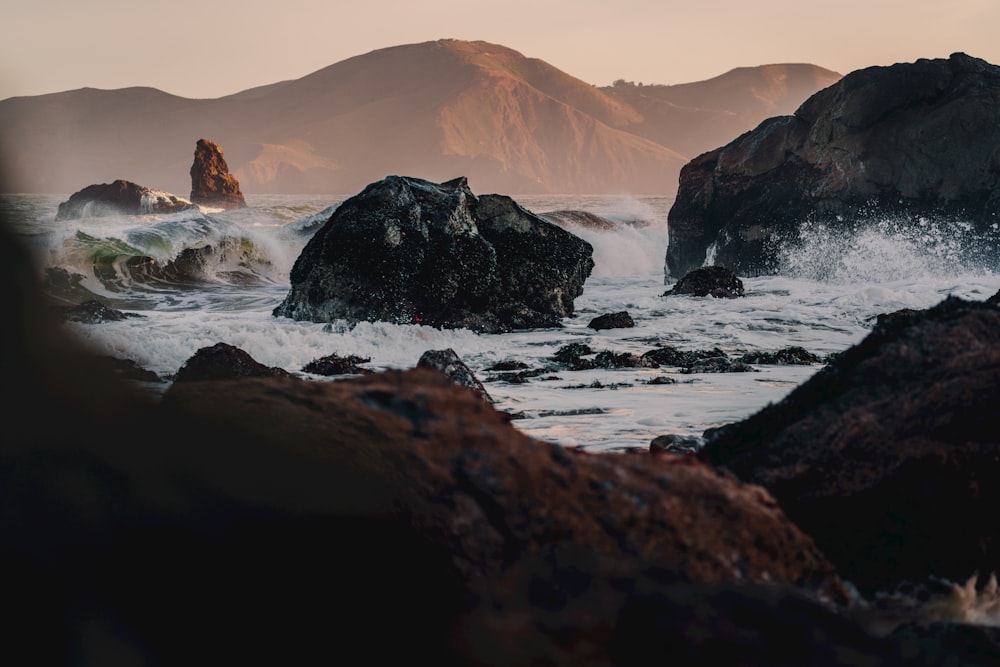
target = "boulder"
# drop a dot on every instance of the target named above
(119, 198)
(912, 141)
(716, 281)
(334, 364)
(409, 251)
(223, 361)
(619, 320)
(490, 496)
(212, 185)
(887, 456)
(448, 363)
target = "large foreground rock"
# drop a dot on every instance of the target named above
(120, 198)
(211, 183)
(489, 495)
(912, 140)
(407, 251)
(889, 456)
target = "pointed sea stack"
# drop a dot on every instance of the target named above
(211, 183)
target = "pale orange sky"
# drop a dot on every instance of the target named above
(210, 48)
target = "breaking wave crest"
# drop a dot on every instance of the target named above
(888, 249)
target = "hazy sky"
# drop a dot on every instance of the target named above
(210, 48)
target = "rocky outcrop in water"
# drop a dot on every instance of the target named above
(619, 320)
(223, 361)
(715, 281)
(911, 141)
(888, 455)
(119, 198)
(211, 183)
(409, 251)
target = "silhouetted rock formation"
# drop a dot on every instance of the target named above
(910, 140)
(211, 183)
(408, 251)
(887, 456)
(119, 198)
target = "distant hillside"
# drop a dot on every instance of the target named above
(691, 118)
(434, 110)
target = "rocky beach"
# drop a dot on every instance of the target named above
(249, 512)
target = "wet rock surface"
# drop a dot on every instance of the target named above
(714, 281)
(912, 141)
(120, 197)
(406, 250)
(211, 183)
(884, 455)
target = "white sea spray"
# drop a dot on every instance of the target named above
(824, 302)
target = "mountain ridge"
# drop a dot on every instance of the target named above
(435, 110)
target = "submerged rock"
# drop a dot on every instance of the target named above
(120, 198)
(888, 456)
(211, 183)
(409, 251)
(911, 140)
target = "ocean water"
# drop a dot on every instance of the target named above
(830, 288)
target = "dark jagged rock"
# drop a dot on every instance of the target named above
(222, 362)
(619, 320)
(408, 251)
(211, 183)
(334, 364)
(911, 140)
(448, 363)
(887, 455)
(995, 299)
(792, 355)
(119, 198)
(611, 359)
(676, 444)
(572, 355)
(715, 281)
(671, 356)
(718, 365)
(93, 311)
(508, 365)
(489, 495)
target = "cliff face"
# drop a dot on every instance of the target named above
(435, 110)
(911, 140)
